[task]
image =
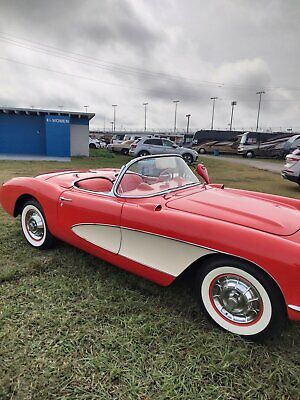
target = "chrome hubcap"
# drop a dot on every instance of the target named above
(236, 299)
(34, 224)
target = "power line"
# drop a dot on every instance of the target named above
(113, 67)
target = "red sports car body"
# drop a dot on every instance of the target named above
(155, 219)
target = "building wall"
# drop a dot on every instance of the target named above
(57, 136)
(45, 135)
(22, 134)
(80, 139)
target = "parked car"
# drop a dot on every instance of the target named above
(153, 217)
(291, 170)
(224, 147)
(146, 146)
(122, 148)
(96, 143)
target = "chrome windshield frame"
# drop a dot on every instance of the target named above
(163, 192)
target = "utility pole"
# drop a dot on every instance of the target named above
(112, 126)
(233, 104)
(86, 107)
(175, 118)
(213, 112)
(114, 107)
(188, 122)
(258, 111)
(145, 105)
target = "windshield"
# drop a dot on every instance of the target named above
(244, 138)
(153, 175)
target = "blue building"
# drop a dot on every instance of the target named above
(43, 133)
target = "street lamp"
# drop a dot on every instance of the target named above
(86, 107)
(114, 107)
(112, 126)
(213, 112)
(233, 104)
(145, 105)
(188, 122)
(258, 111)
(175, 118)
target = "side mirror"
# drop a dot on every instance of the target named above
(174, 146)
(202, 171)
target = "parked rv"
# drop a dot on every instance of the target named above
(205, 136)
(290, 145)
(265, 144)
(224, 147)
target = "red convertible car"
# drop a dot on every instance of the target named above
(153, 217)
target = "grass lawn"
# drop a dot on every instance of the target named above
(75, 327)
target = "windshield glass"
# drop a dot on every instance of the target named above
(152, 175)
(244, 138)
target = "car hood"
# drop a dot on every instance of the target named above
(241, 209)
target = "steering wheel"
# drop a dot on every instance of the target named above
(165, 176)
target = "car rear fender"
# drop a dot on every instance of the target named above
(14, 193)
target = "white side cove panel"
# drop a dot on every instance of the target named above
(158, 252)
(161, 253)
(105, 236)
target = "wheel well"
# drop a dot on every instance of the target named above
(21, 201)
(194, 268)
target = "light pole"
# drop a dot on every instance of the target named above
(86, 107)
(175, 117)
(145, 105)
(213, 112)
(188, 122)
(233, 104)
(114, 107)
(112, 126)
(258, 111)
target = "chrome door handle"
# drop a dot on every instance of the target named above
(64, 199)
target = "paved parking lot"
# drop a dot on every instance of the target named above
(267, 165)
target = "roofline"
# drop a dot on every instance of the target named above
(40, 111)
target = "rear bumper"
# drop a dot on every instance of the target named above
(287, 175)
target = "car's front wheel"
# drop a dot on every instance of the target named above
(202, 150)
(143, 153)
(34, 225)
(188, 158)
(240, 298)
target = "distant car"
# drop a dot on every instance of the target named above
(96, 143)
(291, 170)
(147, 146)
(224, 147)
(122, 148)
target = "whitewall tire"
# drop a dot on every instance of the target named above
(239, 298)
(34, 226)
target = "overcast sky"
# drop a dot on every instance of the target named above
(126, 52)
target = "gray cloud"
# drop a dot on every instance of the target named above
(136, 51)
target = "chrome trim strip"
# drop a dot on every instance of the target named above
(128, 165)
(293, 307)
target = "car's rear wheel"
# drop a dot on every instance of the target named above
(125, 152)
(188, 158)
(250, 154)
(34, 225)
(240, 299)
(143, 153)
(92, 146)
(202, 150)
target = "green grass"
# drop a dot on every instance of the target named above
(75, 327)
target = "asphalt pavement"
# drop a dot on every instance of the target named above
(266, 165)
